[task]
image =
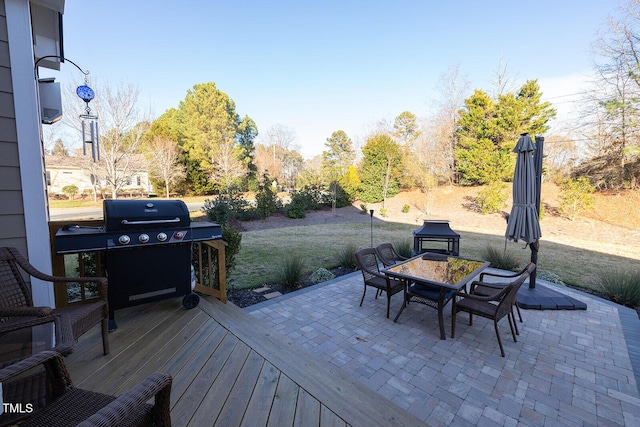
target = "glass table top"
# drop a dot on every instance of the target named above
(452, 272)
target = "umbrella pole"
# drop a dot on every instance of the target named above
(537, 158)
(534, 259)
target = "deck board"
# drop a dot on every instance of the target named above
(284, 403)
(227, 370)
(257, 411)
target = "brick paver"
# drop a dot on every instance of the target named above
(568, 367)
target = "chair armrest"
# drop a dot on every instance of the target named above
(505, 276)
(21, 321)
(101, 281)
(493, 297)
(488, 285)
(26, 311)
(33, 361)
(156, 385)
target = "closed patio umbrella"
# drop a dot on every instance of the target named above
(523, 223)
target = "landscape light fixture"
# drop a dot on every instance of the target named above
(371, 215)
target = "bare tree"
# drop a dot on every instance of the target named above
(277, 153)
(441, 140)
(163, 156)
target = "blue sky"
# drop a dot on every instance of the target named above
(317, 67)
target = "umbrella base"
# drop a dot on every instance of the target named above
(544, 298)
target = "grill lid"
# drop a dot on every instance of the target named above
(144, 214)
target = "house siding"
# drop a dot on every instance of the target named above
(12, 222)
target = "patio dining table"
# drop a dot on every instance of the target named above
(433, 279)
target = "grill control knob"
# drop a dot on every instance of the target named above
(162, 237)
(124, 239)
(144, 238)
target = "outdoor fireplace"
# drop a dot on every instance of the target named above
(436, 236)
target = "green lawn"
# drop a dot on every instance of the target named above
(263, 251)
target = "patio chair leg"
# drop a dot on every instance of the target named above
(495, 325)
(363, 294)
(388, 303)
(512, 322)
(441, 321)
(105, 336)
(519, 314)
(404, 304)
(453, 322)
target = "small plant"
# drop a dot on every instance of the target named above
(576, 196)
(347, 256)
(550, 277)
(492, 198)
(403, 247)
(292, 271)
(622, 287)
(321, 275)
(499, 258)
(383, 212)
(405, 209)
(363, 209)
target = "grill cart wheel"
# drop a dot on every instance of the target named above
(190, 300)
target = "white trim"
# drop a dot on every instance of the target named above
(29, 145)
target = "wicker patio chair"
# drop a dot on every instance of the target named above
(495, 306)
(487, 288)
(16, 300)
(43, 381)
(368, 263)
(388, 254)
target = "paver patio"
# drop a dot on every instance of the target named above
(568, 368)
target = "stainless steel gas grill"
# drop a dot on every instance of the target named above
(147, 248)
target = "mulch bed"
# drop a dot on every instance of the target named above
(247, 297)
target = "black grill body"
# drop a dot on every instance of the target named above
(147, 248)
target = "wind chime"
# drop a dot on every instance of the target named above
(90, 134)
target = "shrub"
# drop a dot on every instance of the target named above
(576, 196)
(267, 201)
(227, 206)
(500, 258)
(342, 198)
(347, 256)
(622, 287)
(291, 271)
(321, 275)
(233, 237)
(383, 212)
(492, 198)
(296, 209)
(309, 198)
(222, 210)
(70, 191)
(405, 209)
(363, 209)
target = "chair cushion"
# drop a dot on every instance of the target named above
(381, 283)
(429, 292)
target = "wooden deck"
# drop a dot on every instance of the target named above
(227, 370)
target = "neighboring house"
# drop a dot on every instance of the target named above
(28, 30)
(71, 170)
